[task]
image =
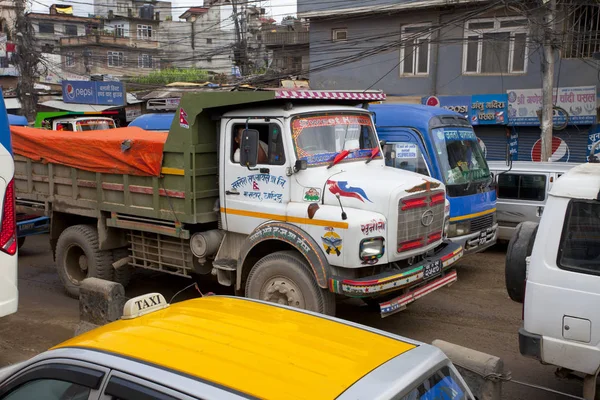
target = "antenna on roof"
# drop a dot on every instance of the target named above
(184, 289)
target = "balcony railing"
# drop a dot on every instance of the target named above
(285, 38)
(109, 39)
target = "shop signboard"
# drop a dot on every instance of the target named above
(578, 102)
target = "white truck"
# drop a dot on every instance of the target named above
(556, 268)
(282, 194)
(9, 294)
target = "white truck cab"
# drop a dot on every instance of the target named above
(561, 323)
(9, 294)
(82, 124)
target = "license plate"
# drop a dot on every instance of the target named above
(433, 269)
(482, 238)
(25, 227)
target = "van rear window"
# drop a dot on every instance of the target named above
(579, 249)
(522, 187)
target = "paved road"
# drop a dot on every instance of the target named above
(474, 312)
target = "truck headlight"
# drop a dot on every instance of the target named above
(459, 229)
(372, 248)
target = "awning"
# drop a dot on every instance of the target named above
(61, 105)
(12, 103)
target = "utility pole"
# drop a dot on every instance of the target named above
(27, 59)
(548, 78)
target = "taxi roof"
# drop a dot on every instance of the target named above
(251, 347)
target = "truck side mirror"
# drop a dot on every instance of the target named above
(300, 165)
(249, 148)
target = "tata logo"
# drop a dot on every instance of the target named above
(427, 218)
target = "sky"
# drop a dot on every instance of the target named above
(277, 8)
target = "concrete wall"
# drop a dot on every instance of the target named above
(373, 41)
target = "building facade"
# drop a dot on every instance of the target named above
(8, 71)
(464, 49)
(289, 47)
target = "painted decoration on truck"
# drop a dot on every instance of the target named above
(183, 122)
(342, 188)
(373, 226)
(261, 187)
(560, 150)
(312, 194)
(332, 242)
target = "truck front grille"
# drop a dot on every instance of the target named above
(420, 223)
(481, 223)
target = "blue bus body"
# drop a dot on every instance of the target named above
(154, 122)
(17, 120)
(442, 144)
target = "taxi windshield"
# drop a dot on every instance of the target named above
(319, 138)
(443, 384)
(94, 124)
(459, 154)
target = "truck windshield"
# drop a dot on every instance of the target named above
(318, 138)
(94, 124)
(443, 384)
(459, 154)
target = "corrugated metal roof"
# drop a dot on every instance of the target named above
(61, 105)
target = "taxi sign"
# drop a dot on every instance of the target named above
(144, 304)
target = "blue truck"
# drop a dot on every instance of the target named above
(442, 144)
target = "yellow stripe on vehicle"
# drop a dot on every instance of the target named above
(469, 216)
(172, 171)
(283, 218)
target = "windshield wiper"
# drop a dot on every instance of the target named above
(374, 152)
(338, 157)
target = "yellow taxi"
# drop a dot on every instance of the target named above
(219, 347)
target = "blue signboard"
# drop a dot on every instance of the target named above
(459, 104)
(593, 137)
(94, 92)
(489, 109)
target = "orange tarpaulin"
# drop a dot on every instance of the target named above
(131, 151)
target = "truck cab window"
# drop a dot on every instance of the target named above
(270, 151)
(406, 156)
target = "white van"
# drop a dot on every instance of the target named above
(9, 294)
(522, 191)
(561, 285)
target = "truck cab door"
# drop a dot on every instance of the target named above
(405, 150)
(252, 196)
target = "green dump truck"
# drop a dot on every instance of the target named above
(282, 194)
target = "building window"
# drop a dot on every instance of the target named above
(144, 61)
(115, 58)
(414, 53)
(339, 35)
(209, 41)
(71, 30)
(495, 46)
(144, 32)
(47, 48)
(70, 59)
(122, 7)
(46, 27)
(582, 36)
(120, 30)
(209, 60)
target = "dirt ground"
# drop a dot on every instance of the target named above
(475, 312)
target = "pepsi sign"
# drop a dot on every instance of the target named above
(94, 92)
(560, 150)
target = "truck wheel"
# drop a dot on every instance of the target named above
(123, 274)
(519, 248)
(285, 278)
(21, 242)
(78, 257)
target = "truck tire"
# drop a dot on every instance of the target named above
(285, 278)
(123, 274)
(519, 248)
(78, 257)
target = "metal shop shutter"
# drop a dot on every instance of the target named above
(492, 140)
(569, 145)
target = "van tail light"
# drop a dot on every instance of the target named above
(523, 305)
(414, 203)
(8, 229)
